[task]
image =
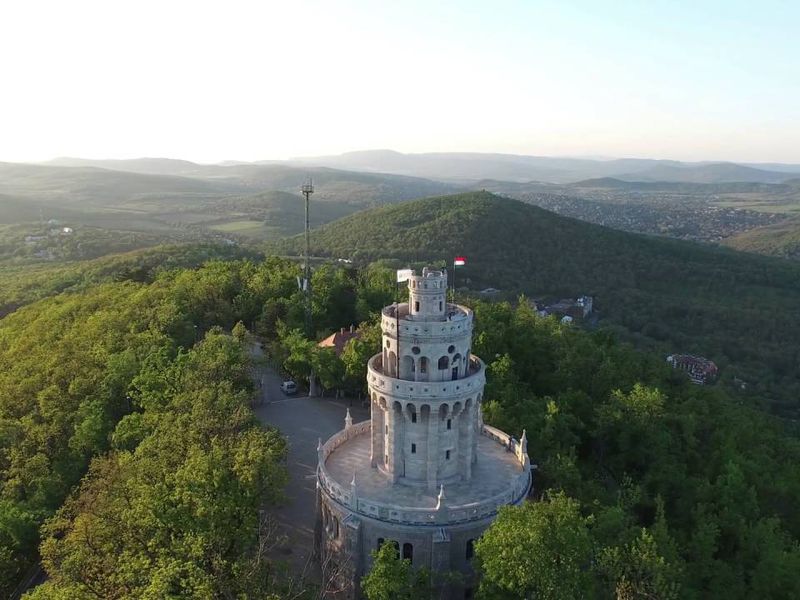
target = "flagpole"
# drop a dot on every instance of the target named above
(397, 327)
(454, 282)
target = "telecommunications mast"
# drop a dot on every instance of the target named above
(307, 189)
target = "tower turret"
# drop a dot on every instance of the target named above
(426, 388)
(427, 295)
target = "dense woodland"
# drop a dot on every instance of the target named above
(131, 463)
(105, 380)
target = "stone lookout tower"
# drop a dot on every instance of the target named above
(424, 472)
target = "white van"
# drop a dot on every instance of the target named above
(289, 387)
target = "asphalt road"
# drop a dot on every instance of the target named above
(304, 421)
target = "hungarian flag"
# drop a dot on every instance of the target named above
(459, 261)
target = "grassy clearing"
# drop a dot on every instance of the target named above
(245, 227)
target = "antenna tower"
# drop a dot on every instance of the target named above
(307, 189)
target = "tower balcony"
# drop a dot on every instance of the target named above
(425, 386)
(502, 477)
(453, 312)
(398, 323)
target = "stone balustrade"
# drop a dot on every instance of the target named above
(447, 513)
(421, 391)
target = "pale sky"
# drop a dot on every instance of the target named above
(209, 81)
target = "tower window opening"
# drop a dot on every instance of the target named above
(451, 349)
(413, 417)
(440, 305)
(413, 448)
(380, 543)
(386, 459)
(423, 364)
(470, 549)
(444, 362)
(408, 552)
(387, 428)
(447, 455)
(416, 306)
(449, 423)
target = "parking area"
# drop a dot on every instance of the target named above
(303, 421)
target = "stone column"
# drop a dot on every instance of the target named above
(397, 436)
(376, 431)
(433, 447)
(469, 441)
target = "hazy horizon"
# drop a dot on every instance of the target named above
(248, 81)
(302, 157)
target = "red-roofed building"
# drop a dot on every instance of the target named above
(338, 340)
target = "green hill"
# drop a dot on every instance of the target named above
(781, 239)
(736, 308)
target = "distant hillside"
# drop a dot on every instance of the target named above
(684, 296)
(472, 167)
(739, 187)
(333, 185)
(99, 186)
(781, 239)
(152, 166)
(227, 200)
(710, 173)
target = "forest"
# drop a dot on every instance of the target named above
(131, 464)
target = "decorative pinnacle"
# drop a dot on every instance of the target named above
(353, 481)
(319, 444)
(348, 420)
(524, 441)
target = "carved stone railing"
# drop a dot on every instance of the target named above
(444, 512)
(472, 383)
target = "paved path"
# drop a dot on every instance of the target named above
(303, 421)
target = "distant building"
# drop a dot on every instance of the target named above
(700, 370)
(338, 340)
(585, 302)
(490, 291)
(567, 307)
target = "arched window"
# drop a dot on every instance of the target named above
(380, 543)
(470, 549)
(396, 545)
(408, 552)
(444, 362)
